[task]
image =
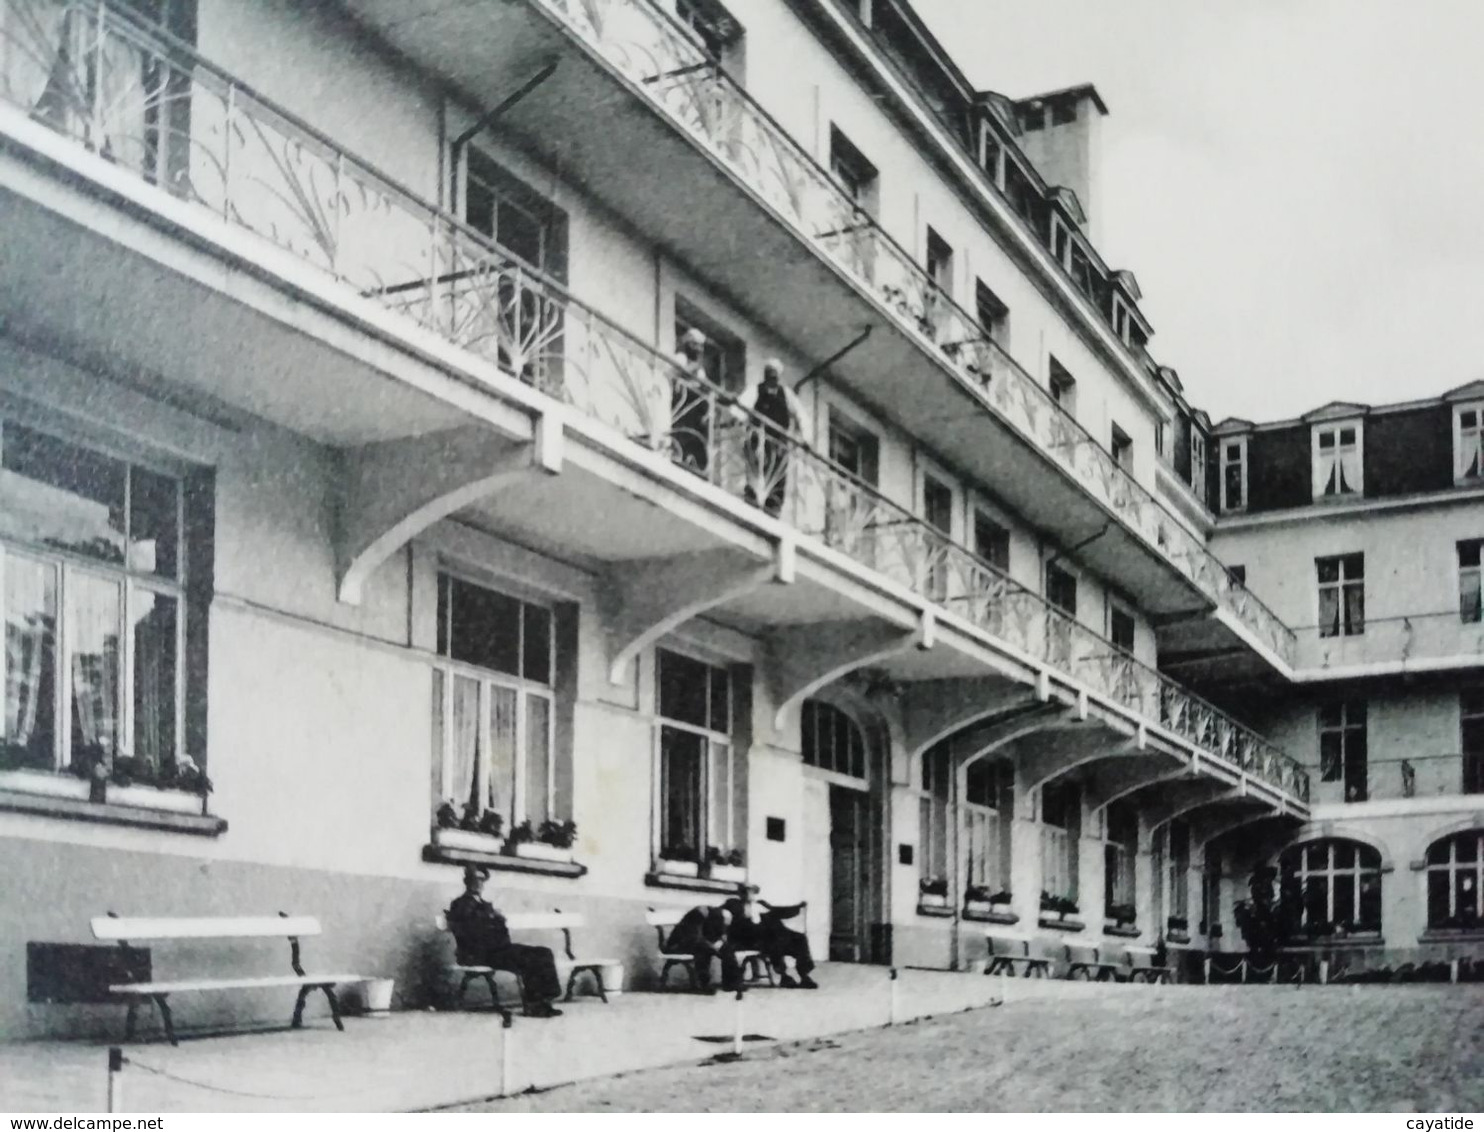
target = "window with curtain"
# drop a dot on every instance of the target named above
(1061, 826)
(93, 608)
(1471, 739)
(698, 790)
(1343, 747)
(1337, 461)
(1468, 442)
(1177, 860)
(932, 812)
(1120, 848)
(1455, 881)
(1470, 607)
(493, 707)
(989, 800)
(1341, 595)
(1337, 883)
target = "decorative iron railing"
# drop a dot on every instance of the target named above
(1417, 776)
(665, 61)
(151, 105)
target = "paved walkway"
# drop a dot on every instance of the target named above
(422, 1060)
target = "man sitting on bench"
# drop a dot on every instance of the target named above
(704, 934)
(484, 940)
(765, 931)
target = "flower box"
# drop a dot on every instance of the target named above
(154, 798)
(44, 782)
(468, 839)
(932, 900)
(540, 851)
(679, 868)
(732, 874)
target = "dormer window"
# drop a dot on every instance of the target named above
(1468, 442)
(1198, 461)
(1337, 461)
(1234, 474)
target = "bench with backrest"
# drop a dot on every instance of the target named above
(1142, 967)
(755, 967)
(1011, 956)
(1090, 962)
(128, 930)
(554, 921)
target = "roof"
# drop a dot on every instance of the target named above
(1068, 94)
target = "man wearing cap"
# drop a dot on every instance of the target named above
(777, 414)
(759, 926)
(483, 940)
(689, 422)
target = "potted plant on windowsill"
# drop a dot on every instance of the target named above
(1177, 929)
(730, 867)
(550, 841)
(21, 770)
(178, 785)
(932, 892)
(475, 829)
(1121, 915)
(1057, 907)
(678, 861)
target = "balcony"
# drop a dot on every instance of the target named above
(1420, 642)
(771, 225)
(1418, 776)
(243, 160)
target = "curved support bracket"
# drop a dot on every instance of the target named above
(1141, 782)
(1134, 770)
(804, 658)
(987, 742)
(1180, 798)
(646, 598)
(934, 710)
(1241, 821)
(1069, 751)
(393, 490)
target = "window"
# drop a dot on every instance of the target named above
(1162, 440)
(1455, 881)
(1237, 574)
(1469, 610)
(1122, 320)
(1234, 474)
(993, 315)
(1061, 588)
(1337, 461)
(937, 509)
(1061, 826)
(1177, 863)
(989, 796)
(856, 175)
(940, 271)
(92, 595)
(493, 705)
(1335, 883)
(832, 740)
(991, 155)
(698, 790)
(991, 541)
(1121, 628)
(932, 813)
(1471, 736)
(1063, 387)
(1061, 242)
(1211, 891)
(1468, 442)
(515, 217)
(715, 29)
(1342, 747)
(1122, 448)
(1341, 595)
(1198, 462)
(1119, 851)
(854, 449)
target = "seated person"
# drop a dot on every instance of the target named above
(704, 933)
(759, 926)
(484, 941)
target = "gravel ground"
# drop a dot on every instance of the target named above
(1258, 1049)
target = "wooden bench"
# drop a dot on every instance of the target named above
(555, 920)
(1143, 969)
(1088, 962)
(1011, 956)
(126, 930)
(755, 967)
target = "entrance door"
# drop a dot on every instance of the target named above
(850, 873)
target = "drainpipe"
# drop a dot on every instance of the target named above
(505, 104)
(955, 866)
(1060, 554)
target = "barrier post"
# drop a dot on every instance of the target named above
(115, 1079)
(891, 1016)
(1323, 973)
(737, 1026)
(507, 1026)
(1206, 970)
(1453, 971)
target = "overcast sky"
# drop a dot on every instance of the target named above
(1298, 184)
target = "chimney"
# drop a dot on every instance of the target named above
(1061, 133)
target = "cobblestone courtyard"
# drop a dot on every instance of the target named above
(1201, 1049)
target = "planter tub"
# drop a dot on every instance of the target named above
(44, 782)
(151, 798)
(732, 874)
(468, 839)
(613, 979)
(928, 900)
(540, 851)
(679, 868)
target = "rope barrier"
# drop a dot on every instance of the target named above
(210, 1088)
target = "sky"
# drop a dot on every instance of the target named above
(1297, 184)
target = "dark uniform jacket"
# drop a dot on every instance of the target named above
(478, 929)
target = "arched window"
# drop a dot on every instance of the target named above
(1455, 880)
(832, 740)
(1336, 883)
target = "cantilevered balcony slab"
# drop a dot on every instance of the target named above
(743, 205)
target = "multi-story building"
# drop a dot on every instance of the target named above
(352, 469)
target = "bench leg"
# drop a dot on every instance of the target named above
(130, 1019)
(334, 1006)
(458, 1001)
(489, 981)
(299, 1008)
(164, 1008)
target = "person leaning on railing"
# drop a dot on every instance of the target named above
(776, 415)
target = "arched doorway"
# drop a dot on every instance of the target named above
(846, 774)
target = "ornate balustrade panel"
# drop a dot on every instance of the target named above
(646, 45)
(156, 109)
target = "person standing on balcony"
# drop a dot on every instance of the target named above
(687, 427)
(777, 418)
